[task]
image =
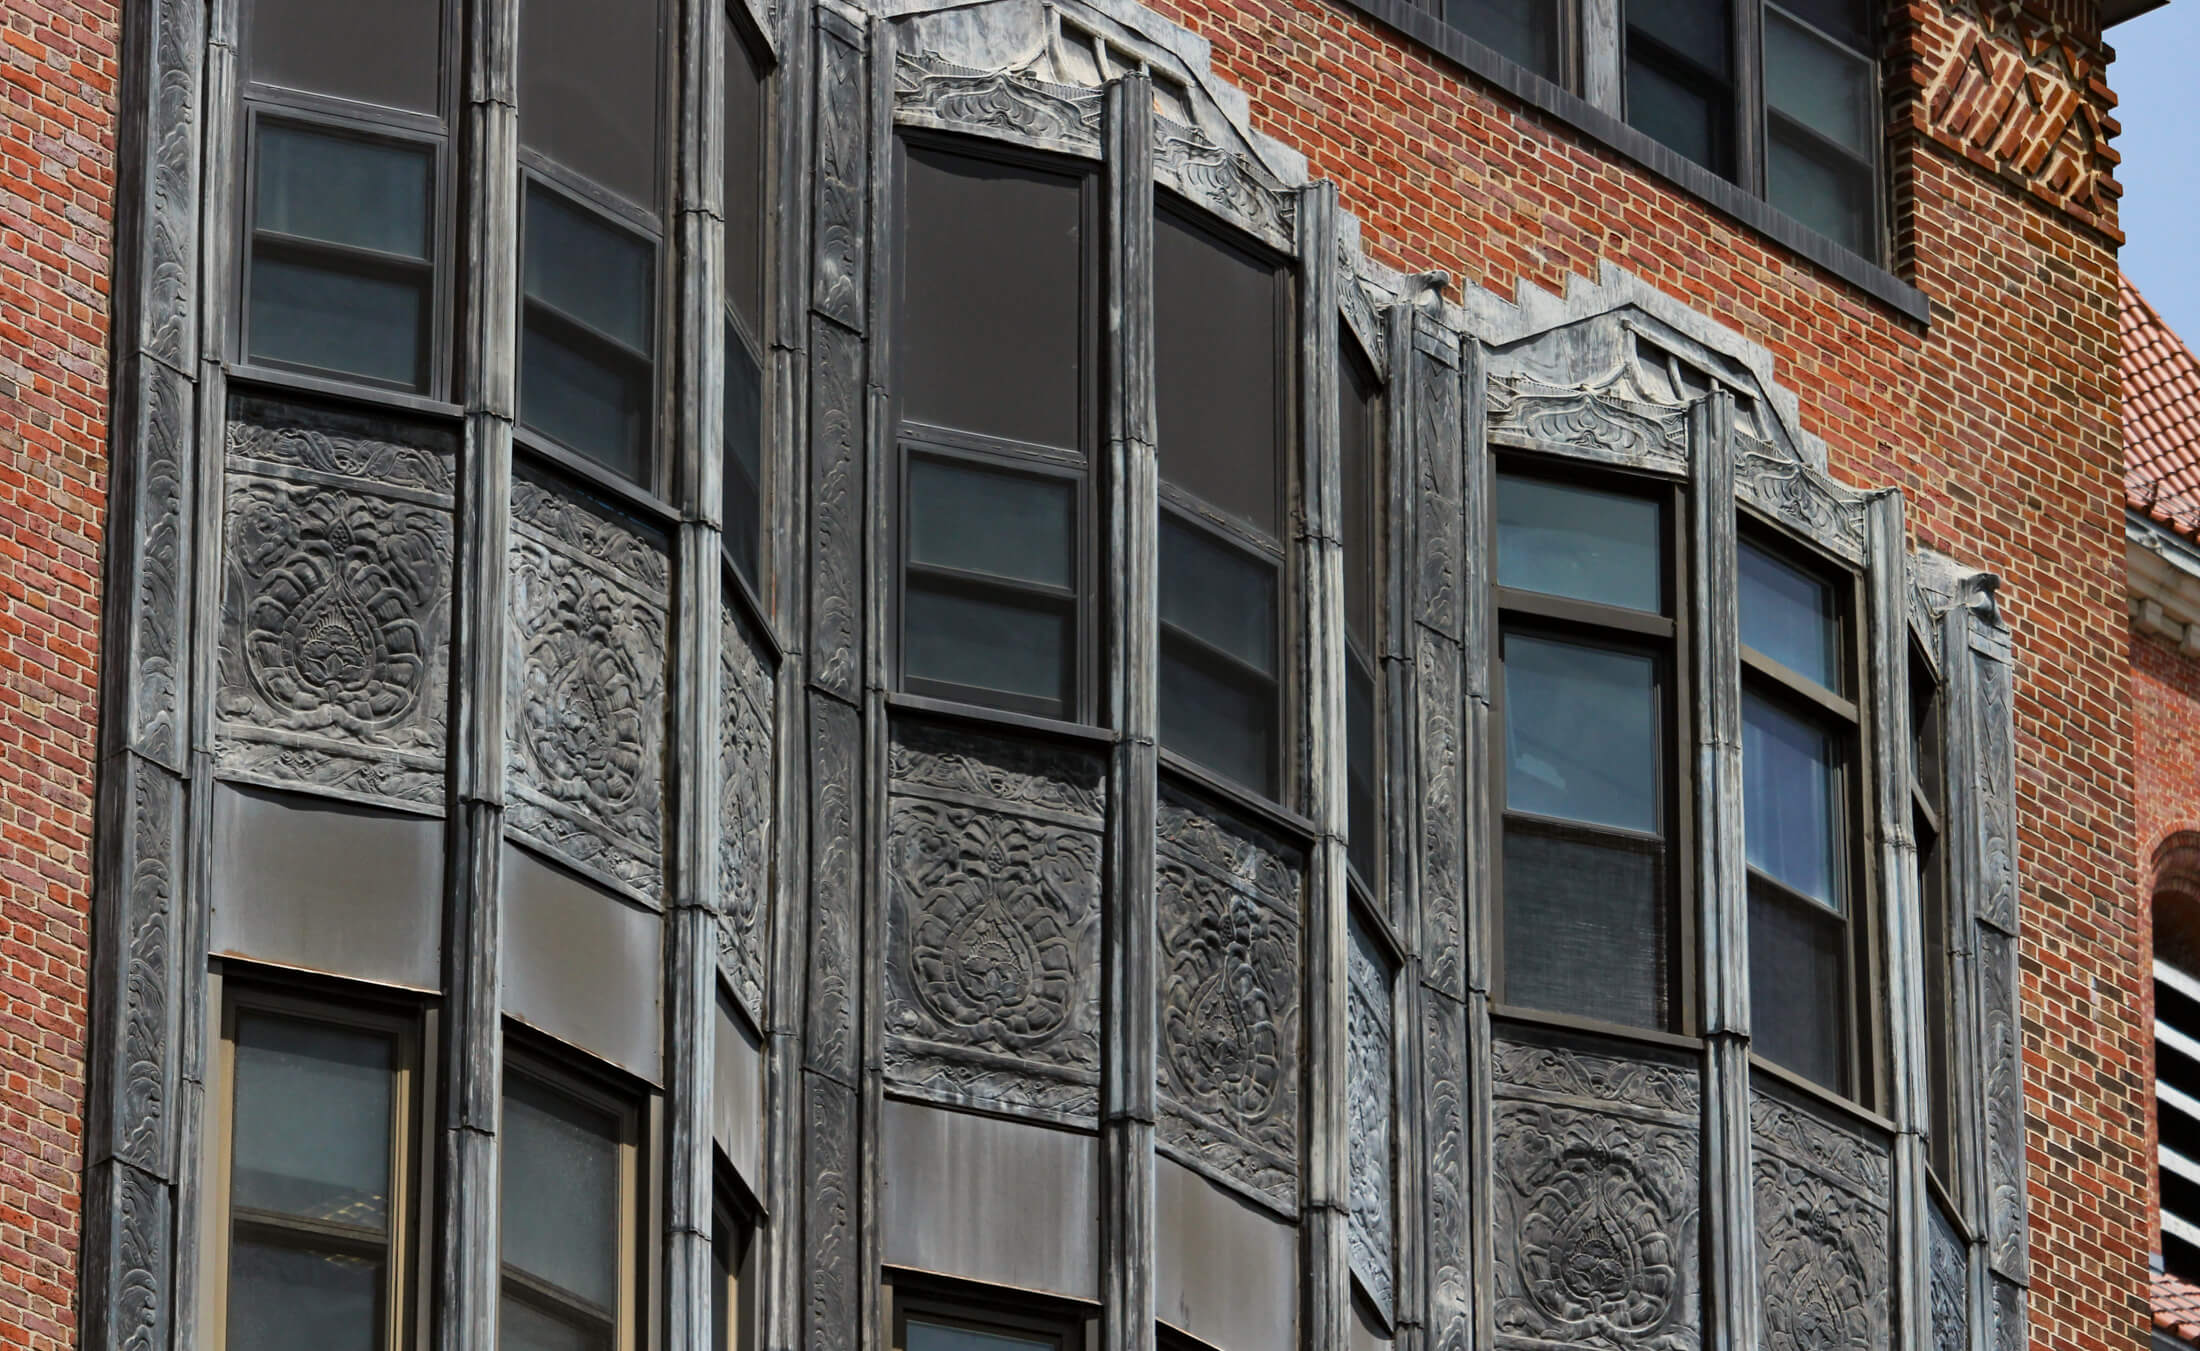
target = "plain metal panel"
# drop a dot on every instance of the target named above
(328, 886)
(737, 1096)
(1006, 1202)
(1225, 1271)
(581, 963)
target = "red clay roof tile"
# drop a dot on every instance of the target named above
(2161, 419)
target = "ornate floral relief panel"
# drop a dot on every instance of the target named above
(585, 698)
(1948, 1286)
(931, 90)
(993, 922)
(1822, 1256)
(334, 648)
(1596, 1184)
(1229, 902)
(1370, 1105)
(1612, 421)
(746, 826)
(1799, 497)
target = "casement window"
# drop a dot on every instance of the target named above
(1359, 458)
(1589, 669)
(1809, 951)
(570, 1184)
(1780, 99)
(1223, 334)
(746, 192)
(1928, 808)
(345, 132)
(591, 94)
(318, 1122)
(996, 352)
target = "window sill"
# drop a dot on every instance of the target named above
(1079, 735)
(1616, 136)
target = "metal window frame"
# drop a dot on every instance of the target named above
(1354, 363)
(738, 24)
(1667, 638)
(985, 1309)
(407, 1278)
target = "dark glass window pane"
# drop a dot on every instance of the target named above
(1849, 21)
(1585, 925)
(1686, 115)
(1225, 597)
(589, 400)
(344, 190)
(523, 1327)
(1580, 543)
(589, 270)
(926, 1336)
(1790, 616)
(1215, 714)
(285, 1298)
(992, 302)
(1364, 830)
(1798, 1008)
(1358, 465)
(742, 484)
(1939, 1062)
(1925, 706)
(1821, 85)
(588, 90)
(323, 315)
(389, 52)
(561, 1190)
(1694, 29)
(1823, 190)
(745, 196)
(1581, 733)
(312, 1133)
(987, 521)
(1790, 798)
(1216, 372)
(1524, 30)
(987, 640)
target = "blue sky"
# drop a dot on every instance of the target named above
(2157, 77)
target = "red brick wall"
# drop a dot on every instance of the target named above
(2165, 690)
(1999, 420)
(58, 76)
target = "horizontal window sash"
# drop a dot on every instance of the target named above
(1775, 890)
(555, 1300)
(309, 1231)
(1584, 614)
(342, 257)
(1202, 652)
(1586, 832)
(1802, 687)
(990, 584)
(1822, 147)
(593, 340)
(1654, 51)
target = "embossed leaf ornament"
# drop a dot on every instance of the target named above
(1593, 1253)
(332, 634)
(1222, 1039)
(1816, 1297)
(989, 951)
(584, 705)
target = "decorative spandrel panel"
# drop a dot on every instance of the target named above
(993, 922)
(1229, 901)
(1595, 1202)
(1370, 1110)
(1948, 1285)
(1822, 1224)
(334, 649)
(747, 682)
(585, 701)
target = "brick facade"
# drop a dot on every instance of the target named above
(60, 69)
(1999, 419)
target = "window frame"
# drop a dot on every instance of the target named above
(980, 1309)
(256, 102)
(1082, 463)
(1355, 363)
(737, 24)
(1286, 789)
(559, 1072)
(1863, 947)
(407, 1282)
(734, 1223)
(1538, 614)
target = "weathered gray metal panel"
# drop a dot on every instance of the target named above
(1224, 1270)
(331, 887)
(1371, 1092)
(737, 1097)
(1822, 1193)
(1598, 1167)
(747, 816)
(582, 963)
(979, 1198)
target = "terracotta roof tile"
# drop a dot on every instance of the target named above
(2176, 1306)
(2161, 418)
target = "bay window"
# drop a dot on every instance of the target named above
(569, 1183)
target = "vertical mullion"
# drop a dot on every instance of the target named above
(1748, 59)
(1600, 41)
(1130, 509)
(1328, 1200)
